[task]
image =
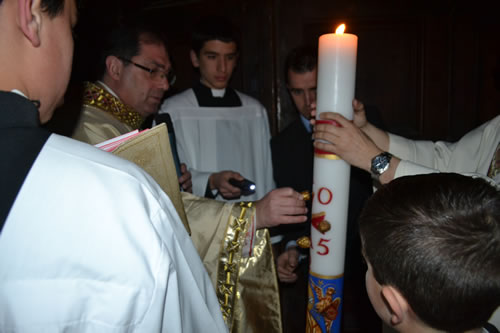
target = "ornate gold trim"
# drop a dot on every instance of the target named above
(229, 260)
(326, 277)
(97, 96)
(328, 156)
(494, 168)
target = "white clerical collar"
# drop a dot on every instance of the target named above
(19, 92)
(218, 92)
(108, 89)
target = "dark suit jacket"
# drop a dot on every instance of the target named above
(292, 153)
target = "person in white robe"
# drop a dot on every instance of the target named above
(88, 242)
(212, 139)
(221, 133)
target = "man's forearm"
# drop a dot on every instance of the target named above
(378, 136)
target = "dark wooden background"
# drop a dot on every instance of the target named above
(432, 68)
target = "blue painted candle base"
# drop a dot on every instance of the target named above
(324, 305)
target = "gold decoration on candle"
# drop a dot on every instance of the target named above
(324, 226)
(317, 221)
(327, 156)
(306, 195)
(304, 242)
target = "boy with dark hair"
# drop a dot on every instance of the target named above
(213, 28)
(432, 245)
(221, 132)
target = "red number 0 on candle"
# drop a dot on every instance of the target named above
(327, 250)
(329, 196)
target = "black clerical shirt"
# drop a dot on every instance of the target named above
(21, 140)
(206, 99)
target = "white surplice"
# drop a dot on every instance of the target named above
(213, 139)
(92, 244)
(473, 153)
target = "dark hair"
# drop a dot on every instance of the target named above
(54, 7)
(213, 28)
(51, 7)
(436, 238)
(301, 59)
(124, 41)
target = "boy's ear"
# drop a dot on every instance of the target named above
(114, 67)
(194, 59)
(30, 20)
(397, 304)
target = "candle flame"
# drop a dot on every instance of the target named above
(340, 29)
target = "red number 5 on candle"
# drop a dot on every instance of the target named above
(321, 244)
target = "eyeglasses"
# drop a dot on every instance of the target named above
(157, 74)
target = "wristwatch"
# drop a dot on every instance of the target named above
(380, 164)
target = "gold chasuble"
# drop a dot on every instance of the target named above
(239, 261)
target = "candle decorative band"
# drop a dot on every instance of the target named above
(324, 154)
(321, 153)
(324, 303)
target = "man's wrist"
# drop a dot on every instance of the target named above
(380, 163)
(389, 175)
(209, 193)
(210, 182)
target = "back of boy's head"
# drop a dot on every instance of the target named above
(213, 28)
(436, 239)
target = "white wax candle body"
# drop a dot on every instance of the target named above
(331, 178)
(335, 92)
(336, 73)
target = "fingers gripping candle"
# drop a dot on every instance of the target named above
(335, 92)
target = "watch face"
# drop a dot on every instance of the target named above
(380, 163)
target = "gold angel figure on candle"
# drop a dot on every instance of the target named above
(327, 307)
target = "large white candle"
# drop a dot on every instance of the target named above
(336, 72)
(335, 92)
